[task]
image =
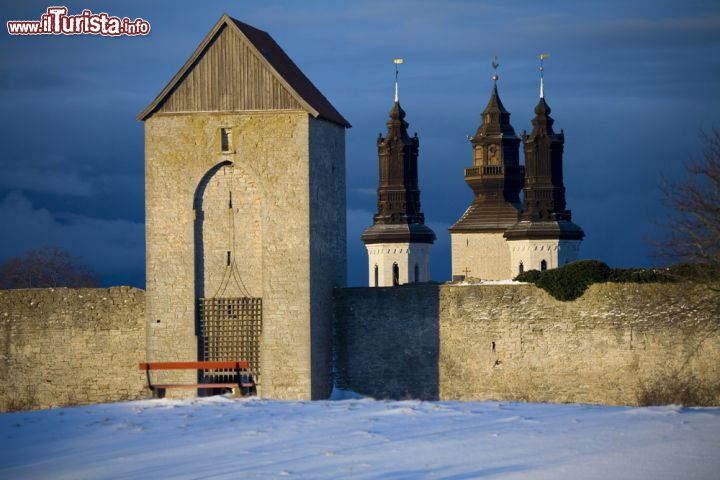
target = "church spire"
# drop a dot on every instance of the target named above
(544, 188)
(398, 242)
(398, 192)
(495, 66)
(397, 62)
(544, 211)
(542, 57)
(495, 176)
(545, 236)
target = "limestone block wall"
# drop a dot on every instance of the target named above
(328, 243)
(387, 341)
(484, 255)
(71, 346)
(614, 345)
(287, 233)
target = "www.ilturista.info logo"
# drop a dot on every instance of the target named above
(56, 21)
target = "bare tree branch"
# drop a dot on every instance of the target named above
(693, 222)
(46, 267)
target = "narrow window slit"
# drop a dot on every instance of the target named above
(225, 139)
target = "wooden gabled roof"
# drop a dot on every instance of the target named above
(238, 67)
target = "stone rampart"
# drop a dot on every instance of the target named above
(618, 344)
(71, 346)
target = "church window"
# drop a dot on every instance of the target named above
(396, 275)
(225, 140)
(377, 274)
(543, 266)
(417, 273)
(521, 268)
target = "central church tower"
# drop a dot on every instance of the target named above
(496, 178)
(398, 242)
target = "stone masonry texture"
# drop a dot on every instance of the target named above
(515, 342)
(387, 341)
(288, 236)
(71, 346)
(481, 255)
(503, 342)
(328, 241)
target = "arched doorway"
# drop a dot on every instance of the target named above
(228, 269)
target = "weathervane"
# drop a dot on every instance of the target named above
(542, 57)
(397, 62)
(495, 64)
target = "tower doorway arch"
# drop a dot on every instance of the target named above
(228, 269)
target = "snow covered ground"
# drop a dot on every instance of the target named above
(221, 437)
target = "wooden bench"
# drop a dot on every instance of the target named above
(244, 384)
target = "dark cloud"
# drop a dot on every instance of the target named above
(111, 247)
(32, 79)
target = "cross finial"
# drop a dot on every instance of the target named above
(495, 65)
(466, 271)
(542, 57)
(397, 62)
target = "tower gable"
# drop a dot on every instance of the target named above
(240, 68)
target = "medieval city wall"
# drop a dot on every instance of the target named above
(71, 346)
(617, 344)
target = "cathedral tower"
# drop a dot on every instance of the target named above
(545, 236)
(495, 177)
(398, 242)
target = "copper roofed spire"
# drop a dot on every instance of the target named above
(398, 217)
(544, 212)
(496, 175)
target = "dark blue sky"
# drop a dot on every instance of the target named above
(631, 83)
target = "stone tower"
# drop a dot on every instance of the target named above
(545, 236)
(479, 249)
(398, 242)
(245, 214)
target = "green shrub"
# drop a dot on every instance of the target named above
(570, 281)
(638, 275)
(531, 276)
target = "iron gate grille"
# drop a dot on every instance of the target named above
(230, 330)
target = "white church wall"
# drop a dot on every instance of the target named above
(406, 255)
(531, 253)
